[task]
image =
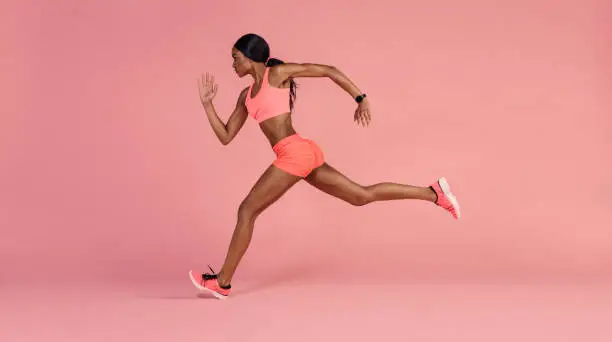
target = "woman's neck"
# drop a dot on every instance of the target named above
(258, 72)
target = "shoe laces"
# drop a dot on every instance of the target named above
(210, 276)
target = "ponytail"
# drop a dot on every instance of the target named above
(292, 93)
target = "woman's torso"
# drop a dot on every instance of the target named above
(269, 105)
(277, 128)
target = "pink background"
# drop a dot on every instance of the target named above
(113, 186)
(109, 163)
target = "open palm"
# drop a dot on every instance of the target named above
(207, 88)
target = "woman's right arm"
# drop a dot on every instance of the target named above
(224, 131)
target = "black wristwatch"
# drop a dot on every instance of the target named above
(360, 98)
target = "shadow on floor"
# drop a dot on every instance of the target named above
(284, 275)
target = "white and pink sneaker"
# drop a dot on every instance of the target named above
(446, 199)
(208, 282)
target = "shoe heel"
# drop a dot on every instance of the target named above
(444, 186)
(449, 195)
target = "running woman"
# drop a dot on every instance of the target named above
(270, 101)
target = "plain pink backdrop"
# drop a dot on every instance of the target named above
(108, 163)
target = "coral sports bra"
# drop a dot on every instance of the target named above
(269, 101)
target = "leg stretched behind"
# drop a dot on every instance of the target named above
(331, 181)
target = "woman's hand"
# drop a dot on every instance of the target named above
(362, 113)
(207, 88)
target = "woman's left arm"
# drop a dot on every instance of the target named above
(294, 70)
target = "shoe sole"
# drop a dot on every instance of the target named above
(197, 284)
(447, 192)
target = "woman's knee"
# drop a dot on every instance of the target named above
(248, 209)
(363, 197)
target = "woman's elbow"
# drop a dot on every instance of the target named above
(225, 141)
(331, 71)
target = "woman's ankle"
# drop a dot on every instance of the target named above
(434, 197)
(222, 280)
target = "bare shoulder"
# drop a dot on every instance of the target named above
(278, 75)
(244, 92)
(243, 95)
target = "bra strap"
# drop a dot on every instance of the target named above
(265, 78)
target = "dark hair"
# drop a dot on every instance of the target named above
(257, 49)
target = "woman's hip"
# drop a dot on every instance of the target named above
(298, 155)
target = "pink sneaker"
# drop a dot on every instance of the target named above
(208, 282)
(446, 199)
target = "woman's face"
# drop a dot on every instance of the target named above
(241, 64)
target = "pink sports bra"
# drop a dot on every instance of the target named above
(269, 101)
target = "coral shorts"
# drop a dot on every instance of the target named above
(297, 155)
